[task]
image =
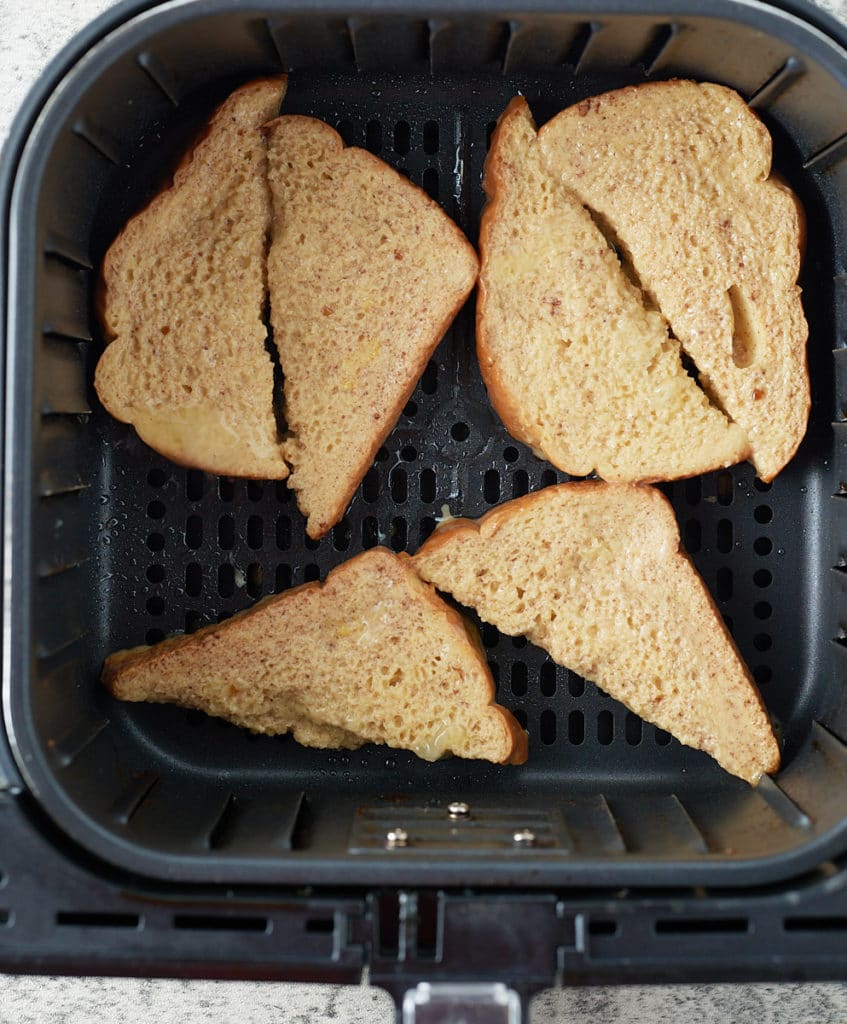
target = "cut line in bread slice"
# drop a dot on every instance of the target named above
(594, 574)
(576, 364)
(182, 299)
(680, 172)
(371, 655)
(366, 273)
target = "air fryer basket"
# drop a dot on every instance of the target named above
(108, 545)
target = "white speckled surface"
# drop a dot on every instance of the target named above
(31, 32)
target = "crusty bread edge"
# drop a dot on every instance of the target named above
(101, 284)
(507, 408)
(389, 420)
(494, 515)
(515, 747)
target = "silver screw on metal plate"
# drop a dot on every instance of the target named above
(524, 837)
(458, 809)
(396, 838)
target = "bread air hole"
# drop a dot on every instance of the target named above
(744, 329)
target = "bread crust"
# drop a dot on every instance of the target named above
(504, 403)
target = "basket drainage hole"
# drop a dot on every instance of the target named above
(410, 409)
(692, 536)
(429, 379)
(398, 534)
(219, 923)
(155, 542)
(320, 925)
(155, 573)
(490, 636)
(460, 431)
(373, 136)
(511, 454)
(402, 138)
(341, 535)
(154, 636)
(156, 510)
(430, 137)
(226, 533)
(763, 514)
(491, 486)
(762, 578)
(408, 453)
(194, 484)
(194, 532)
(426, 528)
(548, 679)
(762, 674)
(283, 578)
(519, 679)
(596, 927)
(576, 685)
(157, 477)
(370, 485)
(662, 738)
(763, 546)
(724, 488)
(762, 641)
(632, 729)
(762, 610)
(96, 919)
(605, 728)
(193, 622)
(155, 605)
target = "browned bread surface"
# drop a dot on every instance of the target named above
(680, 173)
(182, 297)
(371, 655)
(594, 574)
(366, 273)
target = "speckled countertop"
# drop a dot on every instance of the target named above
(31, 32)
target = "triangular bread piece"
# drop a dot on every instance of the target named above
(182, 298)
(366, 273)
(372, 655)
(575, 363)
(680, 173)
(594, 574)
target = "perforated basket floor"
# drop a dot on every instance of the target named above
(120, 547)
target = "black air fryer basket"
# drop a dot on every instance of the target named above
(151, 839)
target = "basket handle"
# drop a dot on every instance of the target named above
(461, 1003)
